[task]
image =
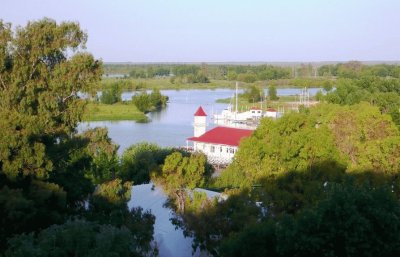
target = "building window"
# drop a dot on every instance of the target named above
(220, 149)
(212, 149)
(231, 150)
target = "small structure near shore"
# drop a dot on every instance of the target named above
(271, 113)
(220, 143)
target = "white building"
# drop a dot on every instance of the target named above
(254, 113)
(272, 113)
(220, 143)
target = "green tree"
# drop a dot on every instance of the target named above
(247, 77)
(150, 102)
(108, 206)
(140, 160)
(356, 137)
(272, 93)
(48, 171)
(253, 94)
(319, 96)
(327, 85)
(79, 238)
(36, 206)
(111, 95)
(103, 154)
(39, 103)
(350, 221)
(181, 173)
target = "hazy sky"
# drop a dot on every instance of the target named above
(226, 30)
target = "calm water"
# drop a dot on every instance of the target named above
(171, 126)
(170, 241)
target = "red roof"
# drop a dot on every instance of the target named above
(223, 136)
(255, 108)
(200, 112)
(271, 110)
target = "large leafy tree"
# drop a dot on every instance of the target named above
(42, 70)
(47, 171)
(76, 238)
(181, 173)
(350, 221)
(140, 160)
(328, 137)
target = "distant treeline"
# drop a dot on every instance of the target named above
(356, 69)
(202, 73)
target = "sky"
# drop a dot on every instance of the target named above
(225, 30)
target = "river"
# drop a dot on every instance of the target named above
(172, 125)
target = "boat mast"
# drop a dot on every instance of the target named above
(236, 107)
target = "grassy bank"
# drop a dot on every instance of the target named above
(163, 83)
(118, 111)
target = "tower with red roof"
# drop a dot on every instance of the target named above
(200, 122)
(220, 143)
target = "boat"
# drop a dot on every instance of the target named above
(231, 117)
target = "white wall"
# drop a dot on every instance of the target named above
(216, 153)
(271, 114)
(199, 125)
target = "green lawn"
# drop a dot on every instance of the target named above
(118, 111)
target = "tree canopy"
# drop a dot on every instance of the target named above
(59, 191)
(181, 173)
(309, 183)
(39, 86)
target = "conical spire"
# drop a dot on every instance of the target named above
(200, 112)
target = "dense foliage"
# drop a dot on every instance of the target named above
(349, 221)
(77, 237)
(182, 172)
(272, 93)
(381, 92)
(253, 94)
(111, 95)
(149, 102)
(320, 182)
(49, 172)
(356, 69)
(140, 160)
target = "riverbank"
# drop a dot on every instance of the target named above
(113, 112)
(166, 83)
(162, 84)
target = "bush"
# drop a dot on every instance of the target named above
(111, 95)
(272, 93)
(253, 94)
(149, 102)
(141, 159)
